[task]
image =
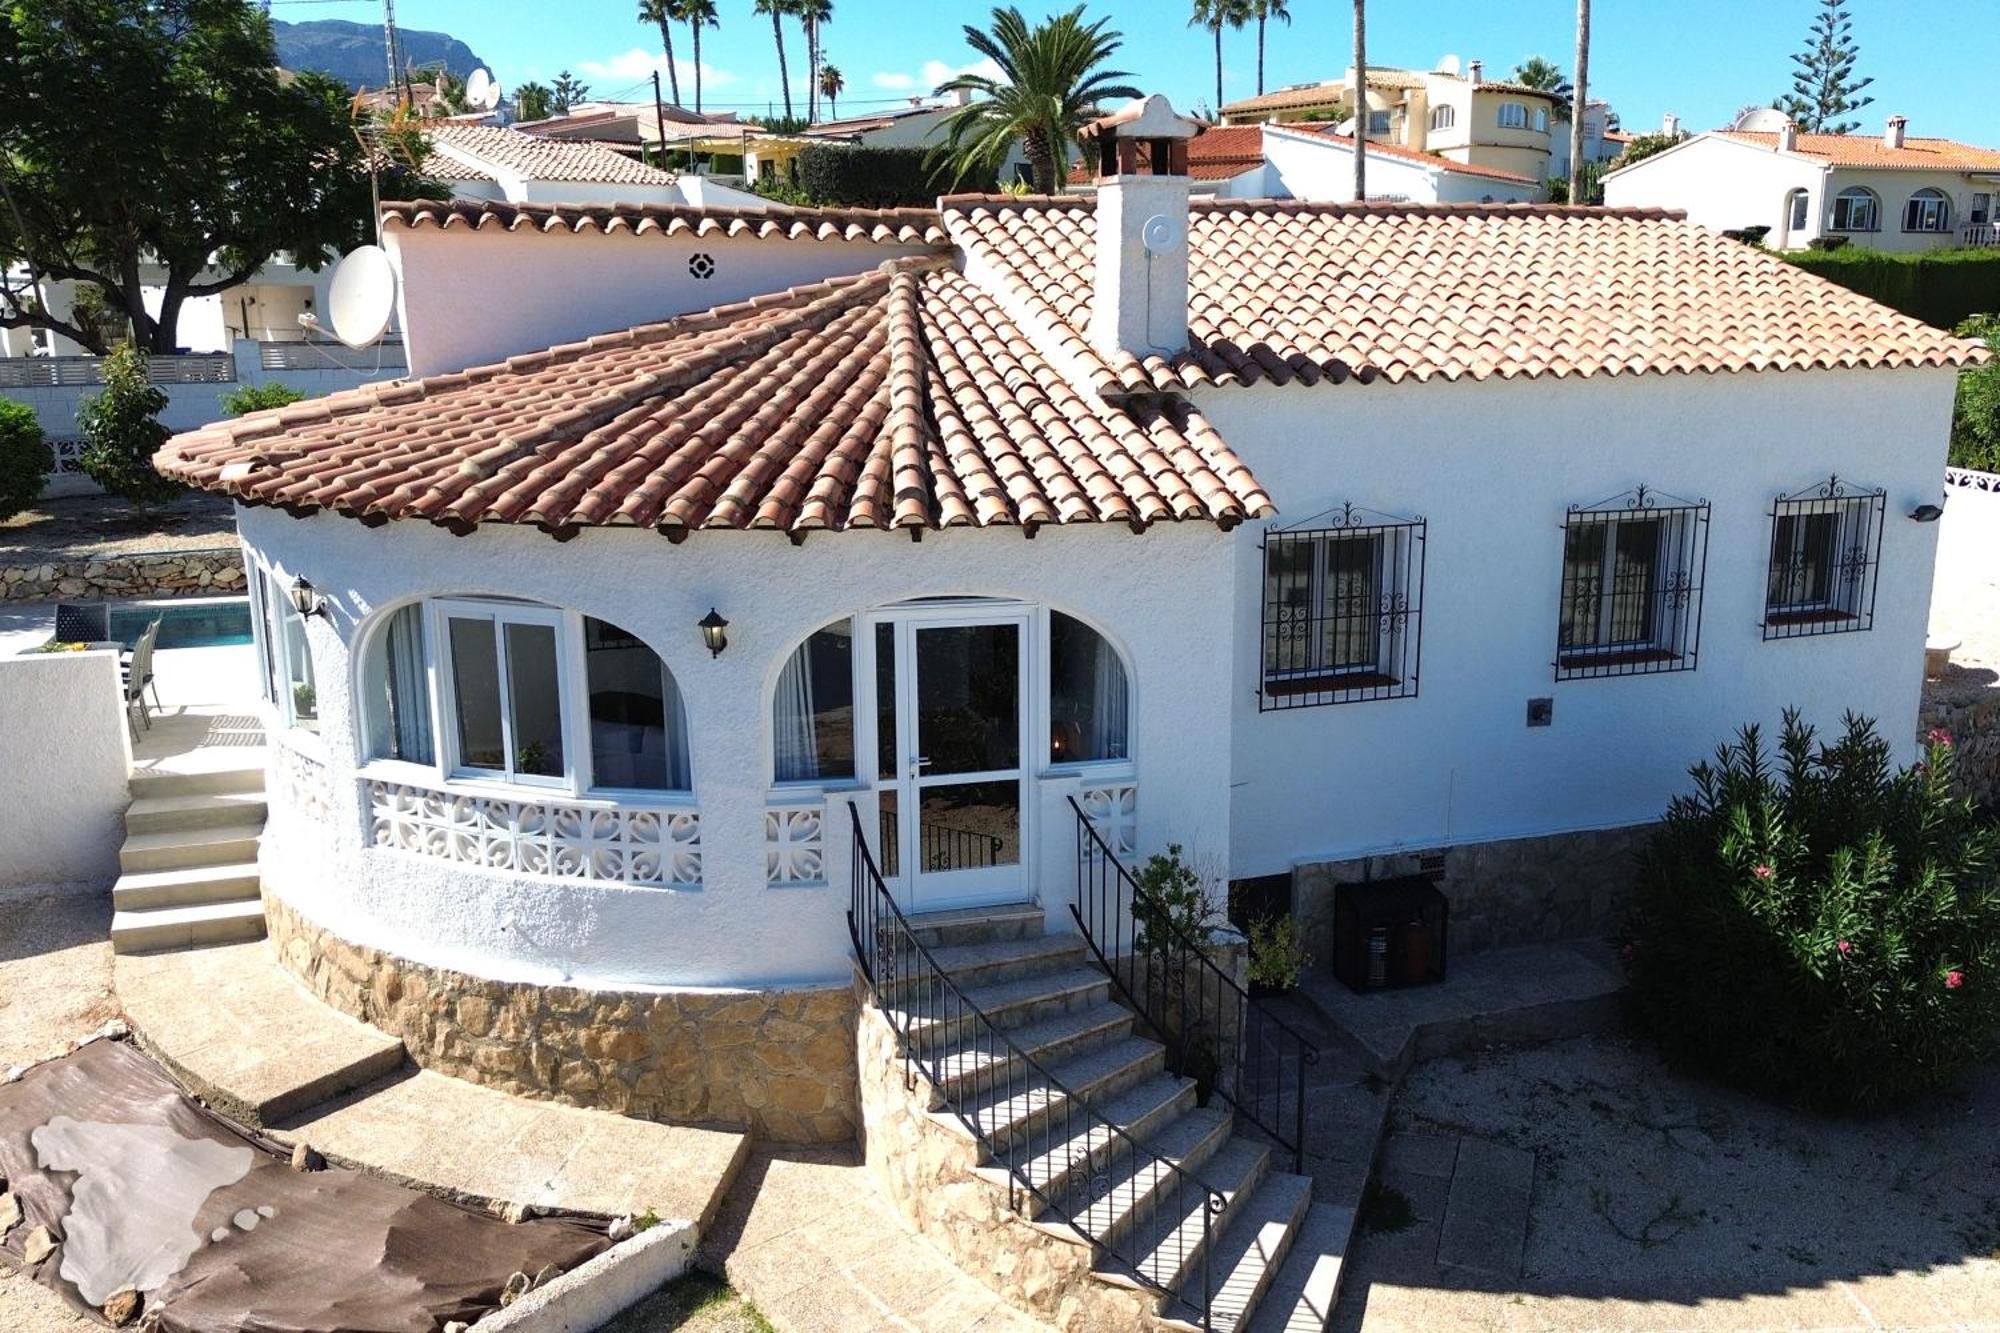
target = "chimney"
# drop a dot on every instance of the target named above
(1474, 69)
(1141, 292)
(1893, 136)
(1788, 136)
(1671, 126)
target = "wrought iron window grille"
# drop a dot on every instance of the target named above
(1826, 552)
(1342, 609)
(1631, 585)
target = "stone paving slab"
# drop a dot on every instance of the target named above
(1486, 1214)
(458, 1139)
(242, 1035)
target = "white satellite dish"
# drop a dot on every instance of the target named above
(1762, 120)
(481, 91)
(1162, 235)
(1447, 65)
(361, 296)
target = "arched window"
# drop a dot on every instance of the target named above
(1513, 116)
(1443, 117)
(1541, 120)
(1928, 210)
(1089, 696)
(638, 728)
(1857, 209)
(396, 698)
(1798, 203)
(813, 714)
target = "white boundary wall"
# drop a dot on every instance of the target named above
(65, 758)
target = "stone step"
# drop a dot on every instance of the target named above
(982, 1064)
(230, 844)
(1005, 960)
(1167, 1177)
(186, 925)
(977, 925)
(1096, 1076)
(158, 814)
(1301, 1296)
(1247, 1259)
(1171, 1244)
(163, 786)
(186, 886)
(1015, 1003)
(1051, 1160)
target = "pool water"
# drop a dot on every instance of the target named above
(202, 624)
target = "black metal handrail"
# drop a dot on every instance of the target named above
(966, 1057)
(1210, 1025)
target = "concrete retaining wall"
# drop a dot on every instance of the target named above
(592, 1295)
(146, 574)
(65, 757)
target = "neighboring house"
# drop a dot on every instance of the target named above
(735, 582)
(1474, 121)
(1314, 162)
(1891, 191)
(919, 125)
(487, 162)
(1602, 140)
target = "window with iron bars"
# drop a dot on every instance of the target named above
(1631, 586)
(1826, 545)
(1343, 609)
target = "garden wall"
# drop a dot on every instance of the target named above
(1965, 702)
(140, 575)
(65, 757)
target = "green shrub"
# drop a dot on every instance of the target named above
(1179, 900)
(122, 430)
(1277, 953)
(1941, 287)
(25, 458)
(258, 397)
(1975, 421)
(1819, 926)
(831, 175)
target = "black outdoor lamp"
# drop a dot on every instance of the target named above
(306, 599)
(714, 632)
(1927, 513)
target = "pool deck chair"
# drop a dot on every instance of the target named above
(82, 622)
(139, 675)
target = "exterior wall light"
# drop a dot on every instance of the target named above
(714, 632)
(306, 599)
(1927, 513)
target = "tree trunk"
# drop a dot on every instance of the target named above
(166, 332)
(1260, 61)
(812, 70)
(697, 66)
(1041, 162)
(667, 46)
(1360, 101)
(1579, 98)
(1218, 69)
(784, 75)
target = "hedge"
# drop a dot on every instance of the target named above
(1941, 287)
(837, 176)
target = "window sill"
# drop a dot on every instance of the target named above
(417, 775)
(1810, 617)
(1621, 657)
(1330, 682)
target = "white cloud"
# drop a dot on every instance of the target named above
(637, 65)
(895, 83)
(933, 73)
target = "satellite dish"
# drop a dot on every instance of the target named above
(481, 91)
(361, 296)
(1162, 235)
(1762, 120)
(1447, 65)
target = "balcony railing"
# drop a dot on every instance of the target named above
(1980, 233)
(46, 372)
(386, 355)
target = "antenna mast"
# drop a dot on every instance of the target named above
(389, 41)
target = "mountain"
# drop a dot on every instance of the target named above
(352, 52)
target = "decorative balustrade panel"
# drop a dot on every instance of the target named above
(1113, 810)
(623, 844)
(795, 845)
(45, 372)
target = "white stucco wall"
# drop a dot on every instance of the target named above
(1723, 184)
(1163, 597)
(1493, 468)
(65, 757)
(469, 299)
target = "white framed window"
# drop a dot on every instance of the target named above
(1343, 609)
(1631, 586)
(285, 657)
(503, 682)
(1800, 205)
(1857, 209)
(1927, 210)
(1443, 117)
(1981, 211)
(812, 712)
(1513, 116)
(1541, 120)
(1090, 696)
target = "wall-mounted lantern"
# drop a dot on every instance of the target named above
(714, 632)
(306, 599)
(1927, 513)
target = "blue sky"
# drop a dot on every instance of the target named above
(1933, 60)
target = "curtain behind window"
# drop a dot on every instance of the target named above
(409, 735)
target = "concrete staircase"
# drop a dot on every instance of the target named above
(188, 869)
(1276, 1255)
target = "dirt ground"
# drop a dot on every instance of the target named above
(78, 526)
(696, 1303)
(1664, 1203)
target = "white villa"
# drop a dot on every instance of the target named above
(1891, 191)
(728, 599)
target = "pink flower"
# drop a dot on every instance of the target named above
(1763, 872)
(1938, 736)
(1954, 979)
(1844, 947)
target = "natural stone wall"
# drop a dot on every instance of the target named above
(1519, 891)
(144, 574)
(780, 1063)
(1971, 717)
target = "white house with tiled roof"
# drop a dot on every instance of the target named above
(1893, 191)
(772, 632)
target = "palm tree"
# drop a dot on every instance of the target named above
(1547, 76)
(1581, 97)
(813, 13)
(1050, 83)
(697, 14)
(1213, 14)
(831, 85)
(661, 12)
(777, 9)
(1263, 11)
(533, 101)
(1360, 101)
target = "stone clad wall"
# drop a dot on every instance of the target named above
(147, 574)
(779, 1062)
(1972, 719)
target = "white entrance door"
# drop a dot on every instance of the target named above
(954, 809)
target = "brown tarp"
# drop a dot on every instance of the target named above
(236, 1243)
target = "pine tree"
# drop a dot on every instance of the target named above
(1824, 89)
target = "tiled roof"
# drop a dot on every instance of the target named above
(545, 159)
(1223, 152)
(899, 398)
(1284, 291)
(1862, 150)
(1333, 90)
(1324, 129)
(903, 226)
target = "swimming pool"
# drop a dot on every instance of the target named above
(208, 623)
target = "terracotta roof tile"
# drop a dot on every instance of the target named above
(536, 158)
(1863, 150)
(1282, 291)
(1226, 151)
(899, 226)
(899, 398)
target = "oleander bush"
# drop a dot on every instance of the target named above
(25, 458)
(1818, 925)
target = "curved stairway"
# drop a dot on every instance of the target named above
(1262, 1254)
(188, 867)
